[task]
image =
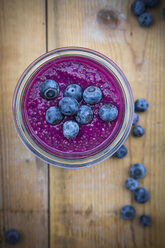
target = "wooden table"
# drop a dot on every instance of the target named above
(58, 208)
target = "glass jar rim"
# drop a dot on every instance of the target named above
(111, 148)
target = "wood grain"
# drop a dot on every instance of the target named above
(85, 204)
(23, 179)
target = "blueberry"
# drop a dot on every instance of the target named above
(53, 115)
(92, 95)
(141, 105)
(75, 91)
(141, 195)
(138, 7)
(127, 212)
(146, 220)
(68, 106)
(135, 119)
(12, 237)
(121, 152)
(137, 171)
(163, 12)
(131, 184)
(145, 19)
(151, 3)
(70, 129)
(84, 114)
(138, 131)
(108, 112)
(49, 89)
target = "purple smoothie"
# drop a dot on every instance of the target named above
(92, 137)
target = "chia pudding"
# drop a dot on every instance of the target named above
(92, 137)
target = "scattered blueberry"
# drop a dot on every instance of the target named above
(68, 106)
(53, 115)
(70, 129)
(163, 12)
(137, 171)
(121, 152)
(151, 3)
(92, 95)
(137, 8)
(141, 195)
(84, 114)
(108, 112)
(145, 19)
(146, 220)
(12, 237)
(75, 91)
(127, 212)
(135, 119)
(49, 89)
(131, 184)
(141, 105)
(138, 131)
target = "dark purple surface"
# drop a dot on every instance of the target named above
(70, 70)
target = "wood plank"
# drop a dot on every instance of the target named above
(85, 204)
(23, 179)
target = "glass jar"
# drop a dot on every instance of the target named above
(103, 152)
